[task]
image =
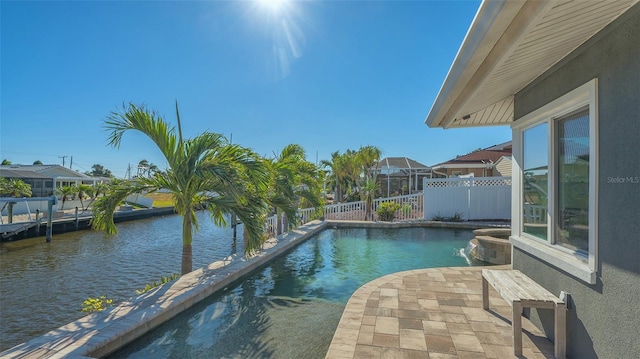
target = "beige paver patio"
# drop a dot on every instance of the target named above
(431, 313)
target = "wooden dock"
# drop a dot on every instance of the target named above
(12, 229)
(20, 230)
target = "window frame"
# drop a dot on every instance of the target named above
(580, 265)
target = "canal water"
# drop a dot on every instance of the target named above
(43, 285)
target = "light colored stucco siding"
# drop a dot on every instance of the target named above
(603, 319)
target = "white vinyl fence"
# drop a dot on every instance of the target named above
(470, 198)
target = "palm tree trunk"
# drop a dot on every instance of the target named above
(187, 259)
(187, 250)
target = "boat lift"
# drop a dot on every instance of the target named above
(51, 201)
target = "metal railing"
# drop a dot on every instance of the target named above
(534, 213)
(272, 224)
(411, 207)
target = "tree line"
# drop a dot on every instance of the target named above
(228, 180)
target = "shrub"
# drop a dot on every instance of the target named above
(92, 305)
(457, 217)
(154, 284)
(387, 211)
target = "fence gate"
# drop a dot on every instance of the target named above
(471, 198)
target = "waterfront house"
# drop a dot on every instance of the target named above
(44, 179)
(479, 163)
(565, 75)
(400, 175)
(56, 175)
(41, 185)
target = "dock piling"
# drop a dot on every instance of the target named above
(49, 218)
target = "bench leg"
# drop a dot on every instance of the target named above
(516, 326)
(560, 330)
(485, 294)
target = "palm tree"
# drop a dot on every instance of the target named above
(205, 169)
(13, 187)
(96, 190)
(65, 193)
(369, 189)
(152, 169)
(83, 190)
(367, 158)
(340, 169)
(293, 179)
(367, 181)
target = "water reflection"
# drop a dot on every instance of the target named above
(291, 308)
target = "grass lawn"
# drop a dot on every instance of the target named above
(161, 199)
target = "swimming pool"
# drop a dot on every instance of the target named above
(291, 308)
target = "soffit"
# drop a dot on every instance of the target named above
(480, 86)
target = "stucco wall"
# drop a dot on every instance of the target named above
(604, 319)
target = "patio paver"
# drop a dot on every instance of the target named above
(431, 313)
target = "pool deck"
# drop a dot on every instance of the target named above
(431, 313)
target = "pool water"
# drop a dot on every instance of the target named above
(291, 308)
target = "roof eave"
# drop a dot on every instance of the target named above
(495, 60)
(488, 26)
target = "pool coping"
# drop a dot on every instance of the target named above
(100, 334)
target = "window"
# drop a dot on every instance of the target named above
(535, 181)
(554, 209)
(572, 206)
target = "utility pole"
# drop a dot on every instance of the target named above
(71, 163)
(63, 157)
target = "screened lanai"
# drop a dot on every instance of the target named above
(400, 175)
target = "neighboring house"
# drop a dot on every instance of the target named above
(480, 163)
(41, 185)
(565, 75)
(61, 176)
(400, 175)
(502, 167)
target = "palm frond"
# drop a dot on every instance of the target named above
(105, 207)
(138, 118)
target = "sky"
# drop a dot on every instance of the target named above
(328, 75)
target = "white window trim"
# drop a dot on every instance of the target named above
(579, 265)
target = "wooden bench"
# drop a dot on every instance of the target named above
(521, 292)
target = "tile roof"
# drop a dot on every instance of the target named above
(481, 156)
(486, 155)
